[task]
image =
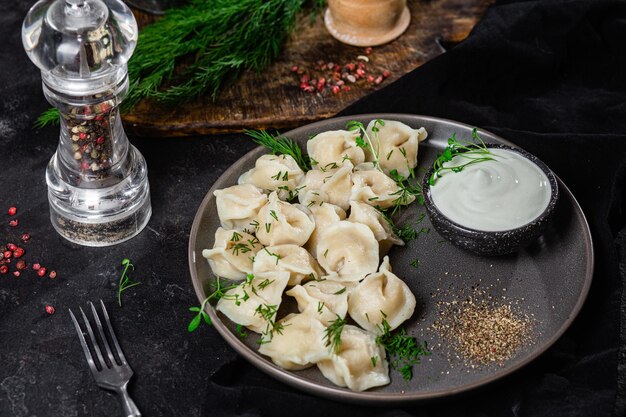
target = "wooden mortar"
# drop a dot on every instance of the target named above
(366, 22)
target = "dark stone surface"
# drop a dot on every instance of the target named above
(547, 76)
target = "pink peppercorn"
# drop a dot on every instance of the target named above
(50, 310)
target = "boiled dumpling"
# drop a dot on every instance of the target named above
(324, 299)
(381, 296)
(279, 173)
(331, 149)
(359, 364)
(291, 258)
(323, 215)
(376, 189)
(232, 254)
(330, 186)
(254, 302)
(398, 146)
(281, 223)
(299, 343)
(372, 218)
(348, 250)
(238, 206)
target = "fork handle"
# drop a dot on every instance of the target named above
(130, 409)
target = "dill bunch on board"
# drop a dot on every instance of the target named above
(224, 37)
(211, 42)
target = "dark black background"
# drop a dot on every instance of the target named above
(549, 76)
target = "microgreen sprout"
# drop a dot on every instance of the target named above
(125, 281)
(366, 141)
(474, 152)
(218, 293)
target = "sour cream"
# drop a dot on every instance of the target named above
(503, 194)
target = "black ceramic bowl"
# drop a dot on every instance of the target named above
(487, 242)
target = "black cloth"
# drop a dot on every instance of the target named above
(549, 76)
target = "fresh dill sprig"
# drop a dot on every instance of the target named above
(475, 151)
(218, 293)
(280, 145)
(403, 350)
(408, 188)
(125, 281)
(406, 232)
(50, 117)
(332, 334)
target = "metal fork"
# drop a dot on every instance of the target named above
(114, 375)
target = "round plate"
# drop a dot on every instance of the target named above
(548, 281)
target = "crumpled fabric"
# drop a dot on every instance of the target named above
(550, 77)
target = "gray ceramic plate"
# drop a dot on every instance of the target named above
(548, 280)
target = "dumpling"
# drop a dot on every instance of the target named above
(325, 300)
(331, 149)
(359, 364)
(376, 189)
(254, 302)
(323, 215)
(330, 186)
(398, 146)
(372, 218)
(232, 254)
(281, 223)
(279, 173)
(348, 250)
(381, 296)
(299, 343)
(238, 206)
(291, 258)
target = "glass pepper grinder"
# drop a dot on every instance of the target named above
(97, 181)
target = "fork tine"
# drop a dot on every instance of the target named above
(96, 348)
(105, 342)
(120, 353)
(83, 343)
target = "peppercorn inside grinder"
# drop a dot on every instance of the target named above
(97, 181)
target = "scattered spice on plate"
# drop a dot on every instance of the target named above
(482, 328)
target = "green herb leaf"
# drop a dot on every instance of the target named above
(403, 351)
(332, 334)
(50, 117)
(125, 281)
(473, 152)
(194, 323)
(280, 145)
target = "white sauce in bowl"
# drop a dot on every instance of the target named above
(497, 195)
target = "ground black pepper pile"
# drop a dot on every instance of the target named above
(484, 329)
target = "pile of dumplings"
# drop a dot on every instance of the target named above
(325, 251)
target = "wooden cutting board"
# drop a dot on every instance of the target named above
(273, 98)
